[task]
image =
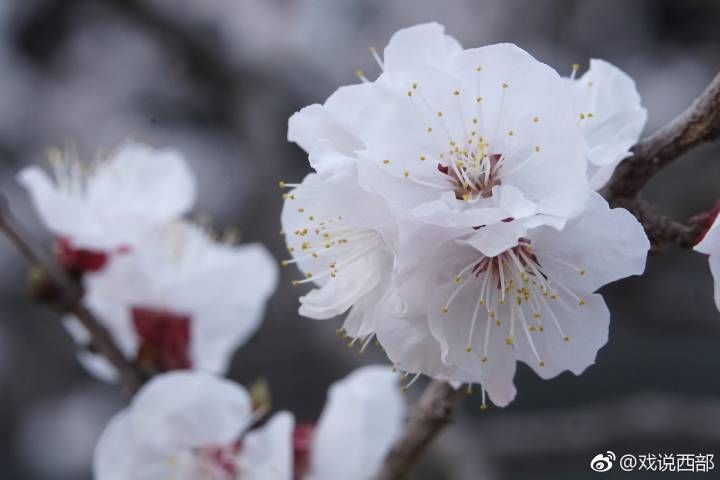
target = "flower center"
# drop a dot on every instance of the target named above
(164, 338)
(473, 176)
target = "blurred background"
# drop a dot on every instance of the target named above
(218, 79)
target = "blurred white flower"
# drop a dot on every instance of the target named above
(611, 115)
(106, 207)
(533, 302)
(180, 300)
(710, 245)
(363, 416)
(192, 426)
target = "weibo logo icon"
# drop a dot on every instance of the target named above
(602, 462)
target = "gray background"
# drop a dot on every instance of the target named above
(218, 80)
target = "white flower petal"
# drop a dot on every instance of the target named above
(185, 410)
(710, 244)
(585, 328)
(267, 452)
(63, 213)
(363, 415)
(599, 247)
(612, 116)
(493, 366)
(420, 45)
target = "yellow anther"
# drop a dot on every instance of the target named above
(301, 210)
(478, 68)
(567, 339)
(581, 302)
(456, 92)
(406, 174)
(536, 119)
(414, 86)
(483, 359)
(509, 340)
(385, 162)
(429, 129)
(583, 272)
(542, 364)
(478, 99)
(458, 279)
(537, 148)
(284, 263)
(468, 349)
(409, 93)
(484, 406)
(281, 184)
(505, 85)
(510, 133)
(422, 158)
(445, 310)
(439, 114)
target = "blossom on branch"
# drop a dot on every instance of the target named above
(194, 426)
(455, 192)
(105, 207)
(180, 299)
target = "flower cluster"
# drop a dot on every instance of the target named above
(171, 295)
(191, 425)
(453, 210)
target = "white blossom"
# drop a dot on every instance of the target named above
(179, 299)
(484, 161)
(710, 245)
(192, 426)
(611, 115)
(471, 138)
(534, 302)
(363, 416)
(107, 206)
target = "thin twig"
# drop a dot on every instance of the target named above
(431, 414)
(663, 231)
(698, 124)
(68, 298)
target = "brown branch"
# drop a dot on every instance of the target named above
(698, 124)
(431, 414)
(663, 231)
(67, 298)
